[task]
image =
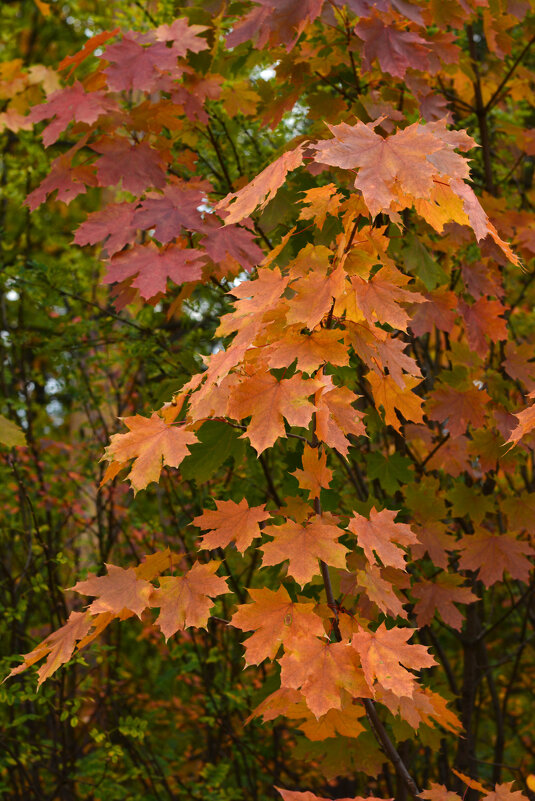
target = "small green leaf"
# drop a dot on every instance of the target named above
(217, 441)
(419, 261)
(391, 472)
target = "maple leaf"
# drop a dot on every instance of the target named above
(504, 792)
(231, 522)
(68, 181)
(457, 409)
(492, 554)
(437, 312)
(311, 350)
(405, 162)
(58, 647)
(255, 297)
(297, 795)
(321, 670)
(336, 721)
(438, 792)
(321, 200)
(275, 620)
(261, 189)
(379, 297)
(72, 104)
(89, 47)
(335, 416)
(232, 244)
(314, 296)
(383, 654)
(113, 226)
(275, 22)
(526, 423)
(380, 534)
(185, 36)
(518, 363)
(152, 268)
(441, 595)
(170, 212)
(151, 443)
(315, 473)
(155, 563)
(268, 402)
(395, 50)
(479, 220)
(472, 783)
(303, 544)
(138, 166)
(379, 591)
(132, 66)
(388, 394)
(120, 589)
(187, 600)
(483, 319)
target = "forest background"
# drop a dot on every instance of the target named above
(391, 480)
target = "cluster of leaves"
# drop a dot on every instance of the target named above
(373, 347)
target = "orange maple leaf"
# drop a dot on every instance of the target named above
(120, 589)
(438, 792)
(379, 591)
(380, 534)
(303, 544)
(268, 402)
(314, 296)
(187, 600)
(319, 347)
(58, 647)
(321, 200)
(315, 473)
(261, 189)
(151, 443)
(526, 423)
(388, 394)
(231, 522)
(275, 620)
(504, 792)
(336, 417)
(321, 670)
(379, 298)
(404, 163)
(384, 652)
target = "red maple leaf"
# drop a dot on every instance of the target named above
(132, 66)
(113, 226)
(457, 409)
(491, 554)
(395, 50)
(232, 245)
(153, 268)
(138, 166)
(72, 104)
(170, 212)
(275, 22)
(67, 180)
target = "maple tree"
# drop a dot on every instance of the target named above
(316, 219)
